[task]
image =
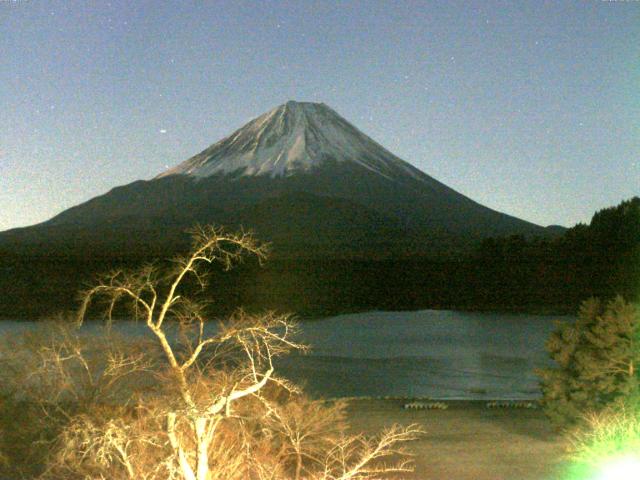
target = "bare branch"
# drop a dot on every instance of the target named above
(205, 406)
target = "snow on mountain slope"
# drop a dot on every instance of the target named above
(291, 138)
(297, 148)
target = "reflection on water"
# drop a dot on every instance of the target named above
(429, 353)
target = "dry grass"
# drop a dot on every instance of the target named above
(468, 441)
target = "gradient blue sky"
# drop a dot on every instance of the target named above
(531, 108)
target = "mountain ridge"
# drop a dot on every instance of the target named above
(350, 226)
(297, 147)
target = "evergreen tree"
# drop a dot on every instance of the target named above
(597, 361)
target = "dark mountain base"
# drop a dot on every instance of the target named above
(502, 274)
(36, 287)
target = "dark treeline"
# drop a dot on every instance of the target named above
(513, 273)
(601, 259)
(503, 274)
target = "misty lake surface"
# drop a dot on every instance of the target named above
(430, 353)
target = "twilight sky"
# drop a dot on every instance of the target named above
(531, 108)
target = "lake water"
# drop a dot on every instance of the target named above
(430, 353)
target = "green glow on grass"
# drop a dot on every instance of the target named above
(621, 468)
(608, 446)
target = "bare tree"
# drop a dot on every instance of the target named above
(214, 407)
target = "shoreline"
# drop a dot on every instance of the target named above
(450, 402)
(468, 441)
(541, 311)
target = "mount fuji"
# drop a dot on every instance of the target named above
(302, 177)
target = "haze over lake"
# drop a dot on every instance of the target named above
(430, 353)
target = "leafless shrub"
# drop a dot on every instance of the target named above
(52, 374)
(611, 433)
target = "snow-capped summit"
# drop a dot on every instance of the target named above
(293, 137)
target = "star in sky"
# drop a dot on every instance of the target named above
(471, 71)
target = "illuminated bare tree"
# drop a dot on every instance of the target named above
(210, 405)
(191, 426)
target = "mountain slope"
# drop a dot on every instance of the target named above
(351, 225)
(293, 138)
(300, 164)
